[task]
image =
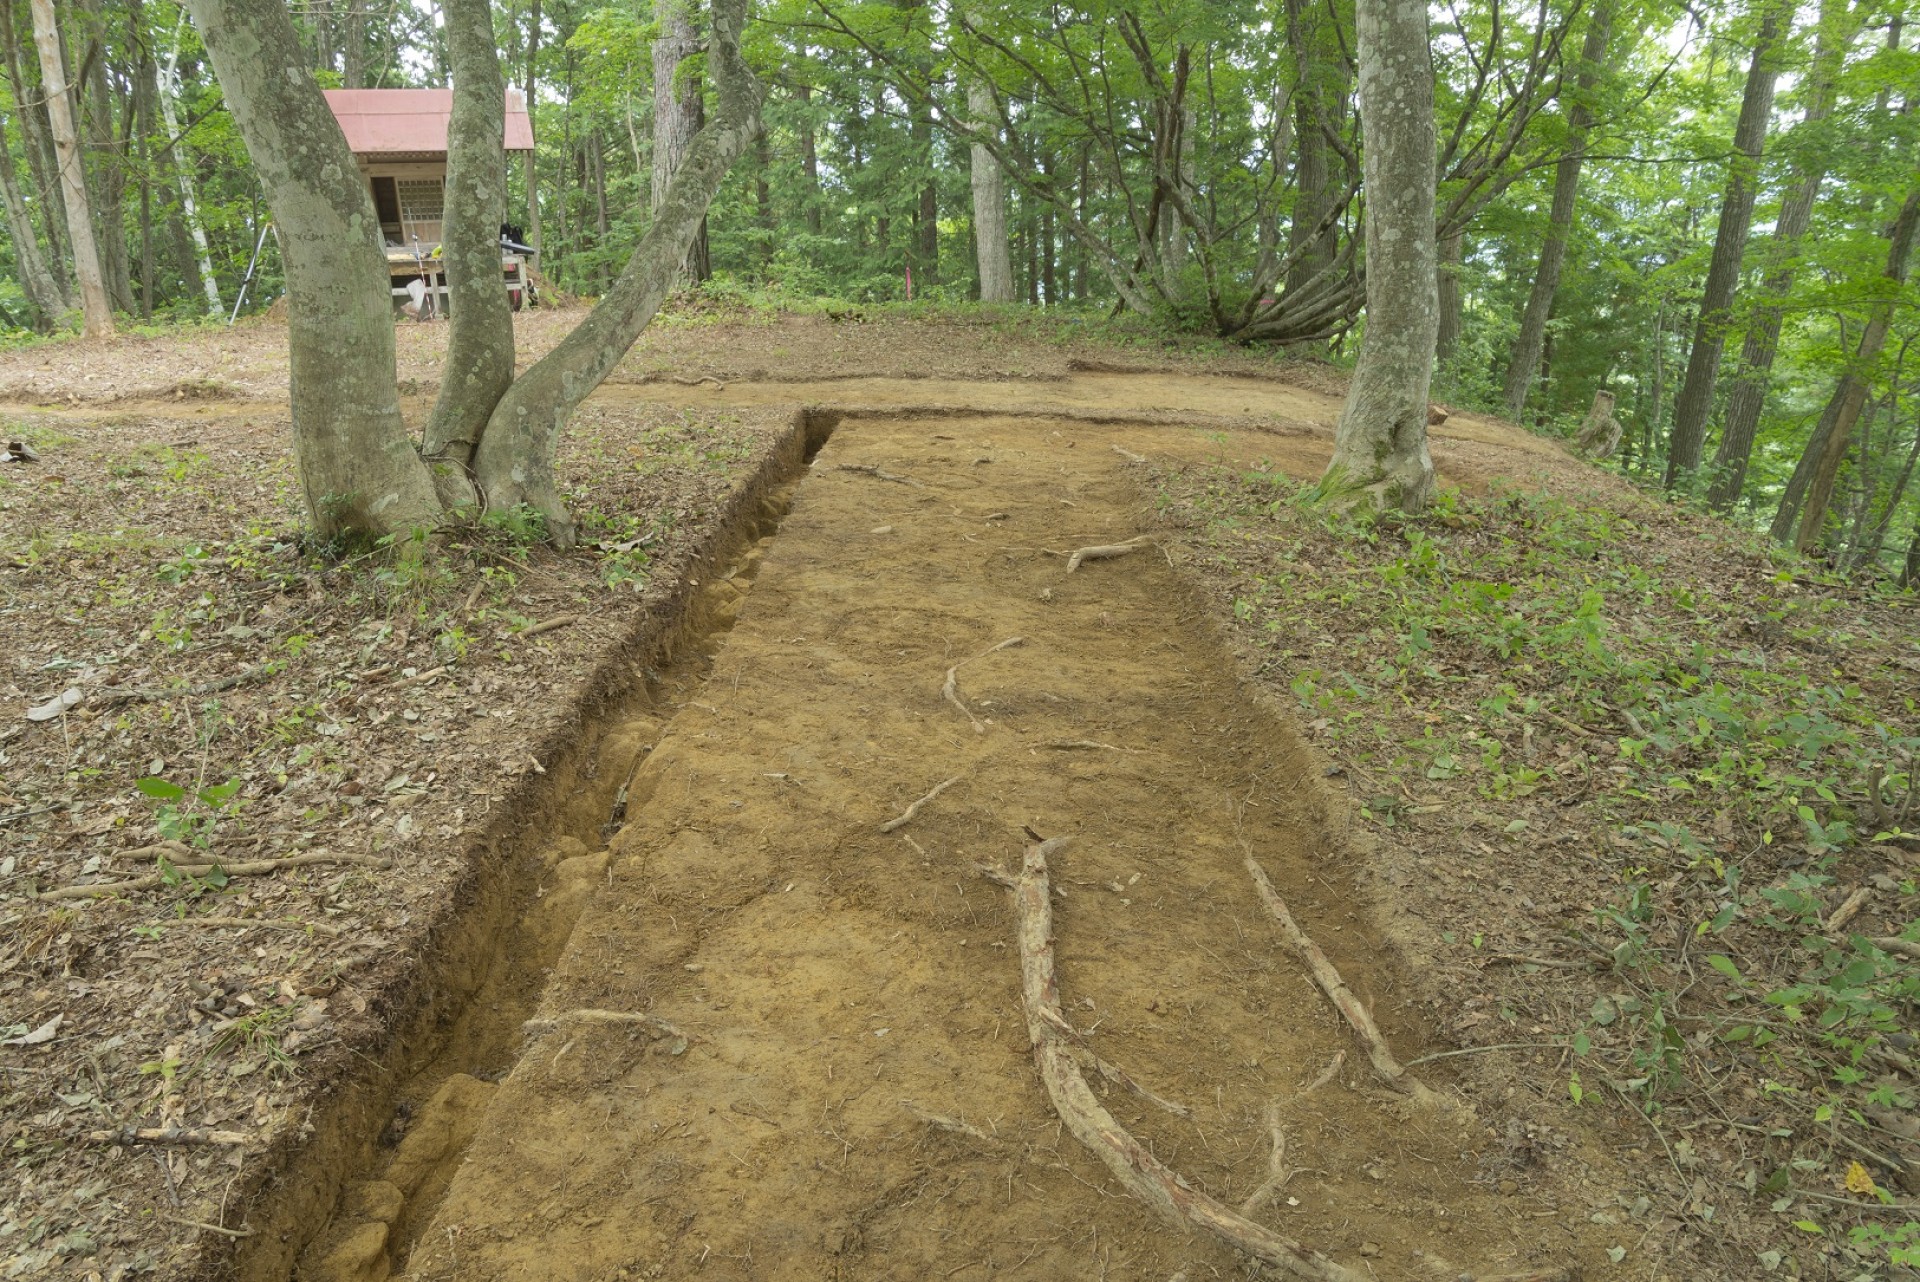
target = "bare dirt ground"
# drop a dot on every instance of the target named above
(343, 1042)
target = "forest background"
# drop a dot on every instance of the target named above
(1707, 212)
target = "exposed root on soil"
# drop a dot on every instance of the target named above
(695, 382)
(950, 691)
(169, 1135)
(1454, 1273)
(1389, 1069)
(1129, 455)
(907, 818)
(1106, 551)
(1327, 1074)
(1087, 745)
(946, 1122)
(879, 474)
(107, 698)
(1277, 1172)
(590, 1015)
(246, 868)
(1143, 1174)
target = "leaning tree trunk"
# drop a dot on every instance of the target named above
(1380, 445)
(677, 108)
(479, 365)
(45, 305)
(1528, 344)
(514, 464)
(1694, 405)
(989, 204)
(1838, 21)
(358, 468)
(1850, 397)
(95, 306)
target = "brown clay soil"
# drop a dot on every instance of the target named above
(624, 980)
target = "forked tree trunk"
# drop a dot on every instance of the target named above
(360, 471)
(1531, 340)
(44, 302)
(989, 204)
(479, 365)
(1380, 445)
(1838, 21)
(1694, 405)
(95, 306)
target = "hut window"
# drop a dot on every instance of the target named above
(386, 206)
(421, 204)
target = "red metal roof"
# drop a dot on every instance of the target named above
(384, 122)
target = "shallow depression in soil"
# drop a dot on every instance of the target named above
(763, 997)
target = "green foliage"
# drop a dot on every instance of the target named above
(189, 814)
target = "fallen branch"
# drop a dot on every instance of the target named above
(1143, 1174)
(1902, 947)
(169, 1135)
(907, 818)
(242, 923)
(880, 474)
(1848, 910)
(944, 1122)
(248, 868)
(108, 697)
(211, 1228)
(1086, 745)
(1129, 455)
(556, 622)
(1389, 1069)
(1106, 551)
(695, 382)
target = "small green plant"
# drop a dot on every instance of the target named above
(189, 815)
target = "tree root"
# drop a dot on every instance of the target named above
(950, 691)
(1143, 1174)
(169, 1135)
(1277, 1172)
(1385, 1066)
(695, 382)
(907, 818)
(246, 868)
(110, 696)
(1106, 551)
(1086, 745)
(592, 1015)
(879, 474)
(1129, 455)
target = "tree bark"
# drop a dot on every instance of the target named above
(926, 218)
(1694, 405)
(1318, 102)
(989, 204)
(809, 159)
(1849, 396)
(108, 174)
(1452, 253)
(47, 307)
(169, 90)
(1525, 361)
(532, 157)
(479, 364)
(677, 110)
(1838, 21)
(96, 307)
(359, 470)
(41, 163)
(1380, 444)
(514, 464)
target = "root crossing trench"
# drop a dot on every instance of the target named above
(780, 1042)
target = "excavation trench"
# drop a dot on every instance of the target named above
(750, 1034)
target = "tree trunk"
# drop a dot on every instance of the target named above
(1838, 21)
(1380, 445)
(1452, 251)
(109, 171)
(989, 205)
(532, 157)
(809, 159)
(46, 307)
(1910, 575)
(514, 464)
(168, 91)
(1319, 104)
(1524, 363)
(1843, 410)
(677, 109)
(96, 307)
(42, 166)
(359, 470)
(926, 220)
(479, 364)
(1694, 405)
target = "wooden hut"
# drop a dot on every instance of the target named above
(399, 139)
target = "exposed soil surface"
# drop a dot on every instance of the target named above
(766, 1039)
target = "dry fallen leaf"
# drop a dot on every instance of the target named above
(44, 1033)
(56, 706)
